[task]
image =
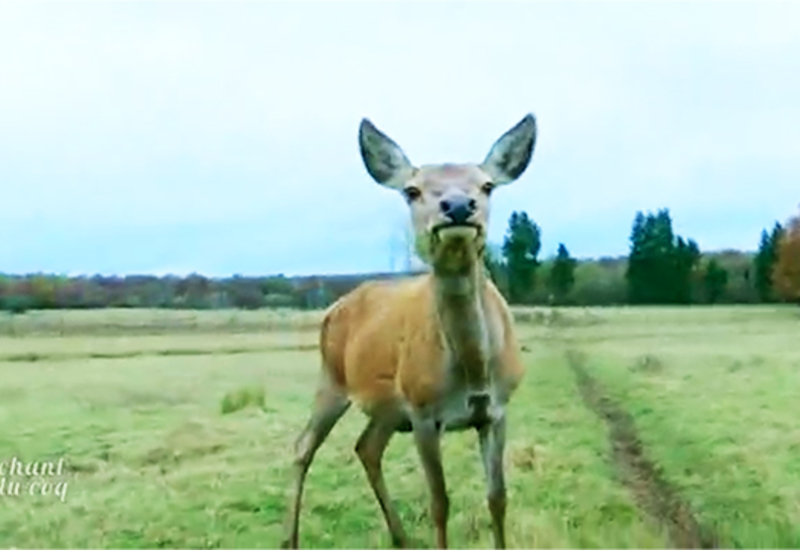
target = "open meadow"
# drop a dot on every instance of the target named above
(635, 427)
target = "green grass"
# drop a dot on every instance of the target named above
(182, 438)
(140, 322)
(715, 396)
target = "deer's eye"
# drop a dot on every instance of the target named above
(487, 188)
(412, 193)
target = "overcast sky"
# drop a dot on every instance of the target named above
(221, 137)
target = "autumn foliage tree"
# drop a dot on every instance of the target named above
(786, 275)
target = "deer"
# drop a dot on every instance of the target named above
(430, 353)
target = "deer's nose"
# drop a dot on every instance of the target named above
(459, 208)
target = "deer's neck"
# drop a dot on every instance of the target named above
(460, 307)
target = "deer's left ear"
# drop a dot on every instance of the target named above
(510, 155)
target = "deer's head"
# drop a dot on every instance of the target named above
(449, 202)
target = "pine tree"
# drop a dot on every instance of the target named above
(660, 265)
(520, 250)
(764, 262)
(715, 279)
(561, 278)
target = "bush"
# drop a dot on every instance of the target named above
(279, 300)
(15, 304)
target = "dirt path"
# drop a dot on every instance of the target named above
(652, 492)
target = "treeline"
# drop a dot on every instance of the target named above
(661, 268)
(40, 291)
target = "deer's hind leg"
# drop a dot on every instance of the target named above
(330, 403)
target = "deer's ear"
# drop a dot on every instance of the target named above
(384, 159)
(510, 155)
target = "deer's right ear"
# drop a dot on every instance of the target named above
(384, 159)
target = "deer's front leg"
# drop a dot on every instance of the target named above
(492, 437)
(428, 440)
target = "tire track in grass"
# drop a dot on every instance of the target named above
(653, 494)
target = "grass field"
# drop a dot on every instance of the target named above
(644, 427)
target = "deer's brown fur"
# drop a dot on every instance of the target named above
(384, 342)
